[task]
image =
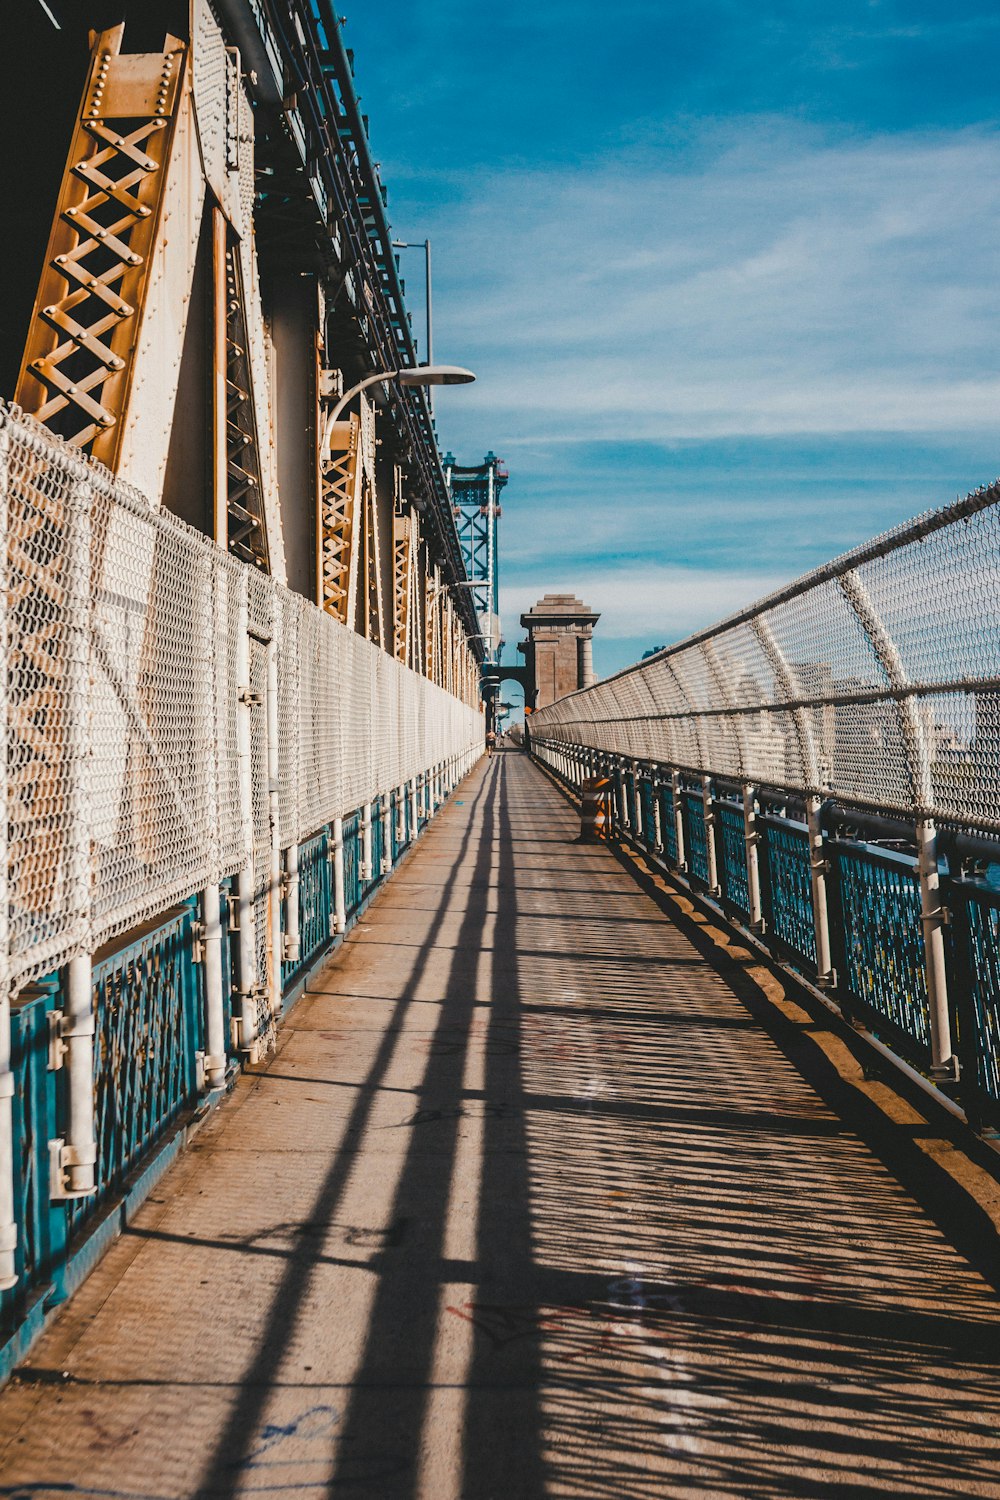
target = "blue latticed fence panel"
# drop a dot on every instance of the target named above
(353, 887)
(228, 975)
(628, 794)
(378, 839)
(881, 936)
(315, 901)
(787, 887)
(400, 823)
(41, 1225)
(732, 853)
(979, 971)
(648, 821)
(694, 828)
(148, 1007)
(668, 827)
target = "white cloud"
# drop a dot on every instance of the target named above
(772, 286)
(643, 601)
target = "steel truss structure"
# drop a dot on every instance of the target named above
(475, 494)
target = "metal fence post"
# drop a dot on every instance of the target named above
(76, 1174)
(386, 835)
(621, 798)
(637, 801)
(654, 787)
(246, 916)
(711, 845)
(293, 936)
(339, 904)
(676, 797)
(274, 905)
(414, 809)
(944, 1063)
(751, 840)
(78, 1157)
(216, 1046)
(819, 869)
(366, 842)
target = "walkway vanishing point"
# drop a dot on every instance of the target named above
(557, 1192)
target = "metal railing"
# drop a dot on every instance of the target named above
(201, 774)
(826, 766)
(753, 853)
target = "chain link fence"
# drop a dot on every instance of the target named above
(874, 679)
(127, 636)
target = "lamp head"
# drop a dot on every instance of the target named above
(435, 375)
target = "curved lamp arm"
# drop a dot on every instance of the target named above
(413, 375)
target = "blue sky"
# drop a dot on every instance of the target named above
(729, 275)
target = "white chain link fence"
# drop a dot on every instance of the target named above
(875, 679)
(121, 635)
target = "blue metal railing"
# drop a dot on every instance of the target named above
(695, 835)
(733, 857)
(787, 887)
(378, 841)
(354, 889)
(149, 1005)
(41, 1224)
(881, 964)
(315, 900)
(149, 1011)
(873, 908)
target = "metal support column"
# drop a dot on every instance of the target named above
(386, 835)
(677, 799)
(293, 936)
(818, 871)
(366, 842)
(944, 1063)
(711, 845)
(78, 1157)
(274, 904)
(339, 904)
(216, 1043)
(751, 839)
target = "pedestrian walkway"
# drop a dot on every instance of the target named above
(548, 1191)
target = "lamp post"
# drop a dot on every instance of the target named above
(425, 246)
(412, 375)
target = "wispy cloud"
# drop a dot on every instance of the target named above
(782, 286)
(644, 602)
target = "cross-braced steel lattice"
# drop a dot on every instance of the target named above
(340, 502)
(79, 356)
(247, 533)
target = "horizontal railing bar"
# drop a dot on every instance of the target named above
(788, 705)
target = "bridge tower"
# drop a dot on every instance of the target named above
(475, 494)
(558, 653)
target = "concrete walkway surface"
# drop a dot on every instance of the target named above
(551, 1190)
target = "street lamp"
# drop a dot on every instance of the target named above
(413, 375)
